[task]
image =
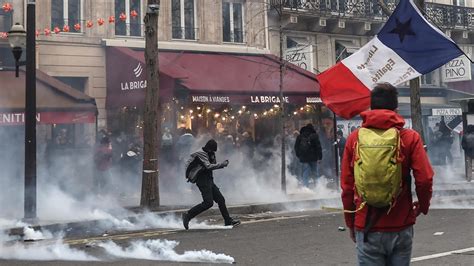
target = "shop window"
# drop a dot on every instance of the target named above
(183, 16)
(232, 22)
(66, 12)
(6, 21)
(132, 25)
(345, 49)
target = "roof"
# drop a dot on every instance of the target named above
(51, 94)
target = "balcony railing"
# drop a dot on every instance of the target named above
(444, 16)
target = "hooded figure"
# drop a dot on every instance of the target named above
(309, 152)
(205, 182)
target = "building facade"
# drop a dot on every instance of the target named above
(77, 54)
(319, 33)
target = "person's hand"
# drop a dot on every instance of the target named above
(416, 208)
(225, 163)
(352, 234)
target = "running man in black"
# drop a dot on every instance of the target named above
(209, 191)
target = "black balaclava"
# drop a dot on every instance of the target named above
(211, 146)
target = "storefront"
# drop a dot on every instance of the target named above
(60, 109)
(211, 93)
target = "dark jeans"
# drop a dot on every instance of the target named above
(210, 193)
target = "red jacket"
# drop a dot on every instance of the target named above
(415, 161)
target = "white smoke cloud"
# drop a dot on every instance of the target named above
(31, 234)
(12, 249)
(163, 250)
(152, 220)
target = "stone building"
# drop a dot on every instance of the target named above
(319, 33)
(78, 57)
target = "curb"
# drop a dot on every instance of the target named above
(94, 227)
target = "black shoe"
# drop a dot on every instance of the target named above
(233, 222)
(185, 220)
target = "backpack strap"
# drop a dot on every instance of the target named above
(372, 217)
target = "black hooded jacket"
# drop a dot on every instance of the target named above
(201, 164)
(314, 153)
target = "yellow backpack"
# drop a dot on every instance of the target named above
(378, 167)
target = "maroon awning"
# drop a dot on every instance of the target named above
(462, 86)
(208, 78)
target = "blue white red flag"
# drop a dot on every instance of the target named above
(406, 47)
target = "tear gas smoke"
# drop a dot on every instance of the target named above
(57, 250)
(163, 250)
(146, 250)
(31, 234)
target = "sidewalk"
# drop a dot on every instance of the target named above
(296, 203)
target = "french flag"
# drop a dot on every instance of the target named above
(406, 47)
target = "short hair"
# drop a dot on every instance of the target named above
(384, 96)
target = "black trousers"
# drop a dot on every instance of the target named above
(210, 193)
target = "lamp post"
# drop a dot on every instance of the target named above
(17, 42)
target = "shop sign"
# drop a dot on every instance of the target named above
(267, 99)
(137, 72)
(301, 56)
(458, 69)
(254, 99)
(49, 118)
(15, 118)
(210, 99)
(446, 111)
(313, 100)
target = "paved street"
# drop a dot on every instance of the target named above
(302, 238)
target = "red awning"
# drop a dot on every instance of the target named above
(212, 77)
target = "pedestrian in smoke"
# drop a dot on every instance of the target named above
(308, 150)
(445, 142)
(103, 162)
(467, 143)
(340, 143)
(206, 162)
(295, 165)
(381, 215)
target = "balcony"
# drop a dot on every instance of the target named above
(447, 17)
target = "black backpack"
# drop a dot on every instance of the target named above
(469, 139)
(305, 145)
(193, 168)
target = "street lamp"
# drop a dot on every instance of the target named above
(17, 40)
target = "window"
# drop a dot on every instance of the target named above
(183, 13)
(5, 21)
(459, 2)
(78, 83)
(132, 25)
(232, 22)
(66, 12)
(345, 49)
(427, 79)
